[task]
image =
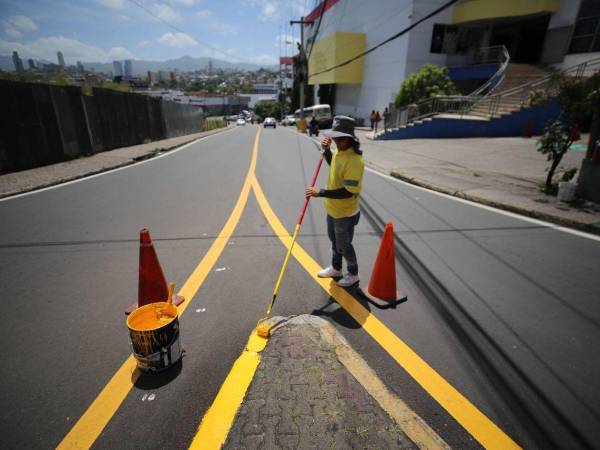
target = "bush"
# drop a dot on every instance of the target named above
(213, 124)
(429, 81)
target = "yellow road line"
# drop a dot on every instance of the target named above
(96, 417)
(486, 432)
(217, 421)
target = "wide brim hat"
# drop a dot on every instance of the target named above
(342, 126)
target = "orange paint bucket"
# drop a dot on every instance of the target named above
(154, 336)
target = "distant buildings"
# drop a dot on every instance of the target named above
(265, 88)
(128, 68)
(117, 69)
(31, 64)
(17, 62)
(61, 59)
(79, 67)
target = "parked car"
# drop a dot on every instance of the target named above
(240, 122)
(270, 122)
(289, 120)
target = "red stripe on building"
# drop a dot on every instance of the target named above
(320, 10)
(286, 60)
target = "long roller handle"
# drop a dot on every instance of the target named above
(296, 230)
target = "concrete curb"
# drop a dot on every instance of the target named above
(504, 206)
(131, 161)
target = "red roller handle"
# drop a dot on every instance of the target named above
(312, 184)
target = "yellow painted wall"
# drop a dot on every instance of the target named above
(335, 49)
(491, 9)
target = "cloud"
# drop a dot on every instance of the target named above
(112, 4)
(164, 12)
(263, 59)
(16, 26)
(73, 50)
(216, 25)
(179, 40)
(269, 9)
(144, 43)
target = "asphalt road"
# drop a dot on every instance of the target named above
(506, 310)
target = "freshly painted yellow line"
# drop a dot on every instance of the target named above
(96, 417)
(487, 433)
(217, 421)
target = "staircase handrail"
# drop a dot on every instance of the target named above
(462, 104)
(579, 69)
(497, 78)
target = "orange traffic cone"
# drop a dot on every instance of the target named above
(382, 285)
(152, 286)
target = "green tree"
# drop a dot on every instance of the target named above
(267, 108)
(579, 100)
(429, 81)
(554, 143)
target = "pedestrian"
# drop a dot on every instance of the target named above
(377, 120)
(341, 197)
(372, 119)
(386, 118)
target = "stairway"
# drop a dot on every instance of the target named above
(516, 75)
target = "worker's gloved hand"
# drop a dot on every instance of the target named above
(326, 143)
(311, 192)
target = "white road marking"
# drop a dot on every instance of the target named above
(162, 155)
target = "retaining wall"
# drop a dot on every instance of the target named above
(43, 124)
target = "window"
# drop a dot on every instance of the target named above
(586, 35)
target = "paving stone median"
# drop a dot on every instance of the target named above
(303, 396)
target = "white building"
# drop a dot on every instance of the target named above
(128, 68)
(547, 32)
(117, 68)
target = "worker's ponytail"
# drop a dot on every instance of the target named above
(356, 146)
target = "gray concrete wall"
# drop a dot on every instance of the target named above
(43, 124)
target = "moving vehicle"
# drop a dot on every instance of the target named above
(289, 120)
(270, 122)
(313, 128)
(240, 122)
(321, 112)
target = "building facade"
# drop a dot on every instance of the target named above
(128, 68)
(559, 33)
(17, 62)
(117, 69)
(61, 59)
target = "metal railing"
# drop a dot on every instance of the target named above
(487, 105)
(501, 56)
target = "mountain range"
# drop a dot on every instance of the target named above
(141, 67)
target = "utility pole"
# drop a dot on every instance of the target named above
(302, 22)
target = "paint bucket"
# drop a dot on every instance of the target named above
(154, 336)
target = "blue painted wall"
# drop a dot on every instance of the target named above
(511, 125)
(481, 72)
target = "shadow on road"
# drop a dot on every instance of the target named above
(149, 381)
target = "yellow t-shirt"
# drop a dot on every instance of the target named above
(346, 171)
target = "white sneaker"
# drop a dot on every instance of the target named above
(329, 272)
(348, 280)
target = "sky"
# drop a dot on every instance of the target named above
(251, 31)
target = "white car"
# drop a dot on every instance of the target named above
(270, 122)
(289, 120)
(240, 122)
